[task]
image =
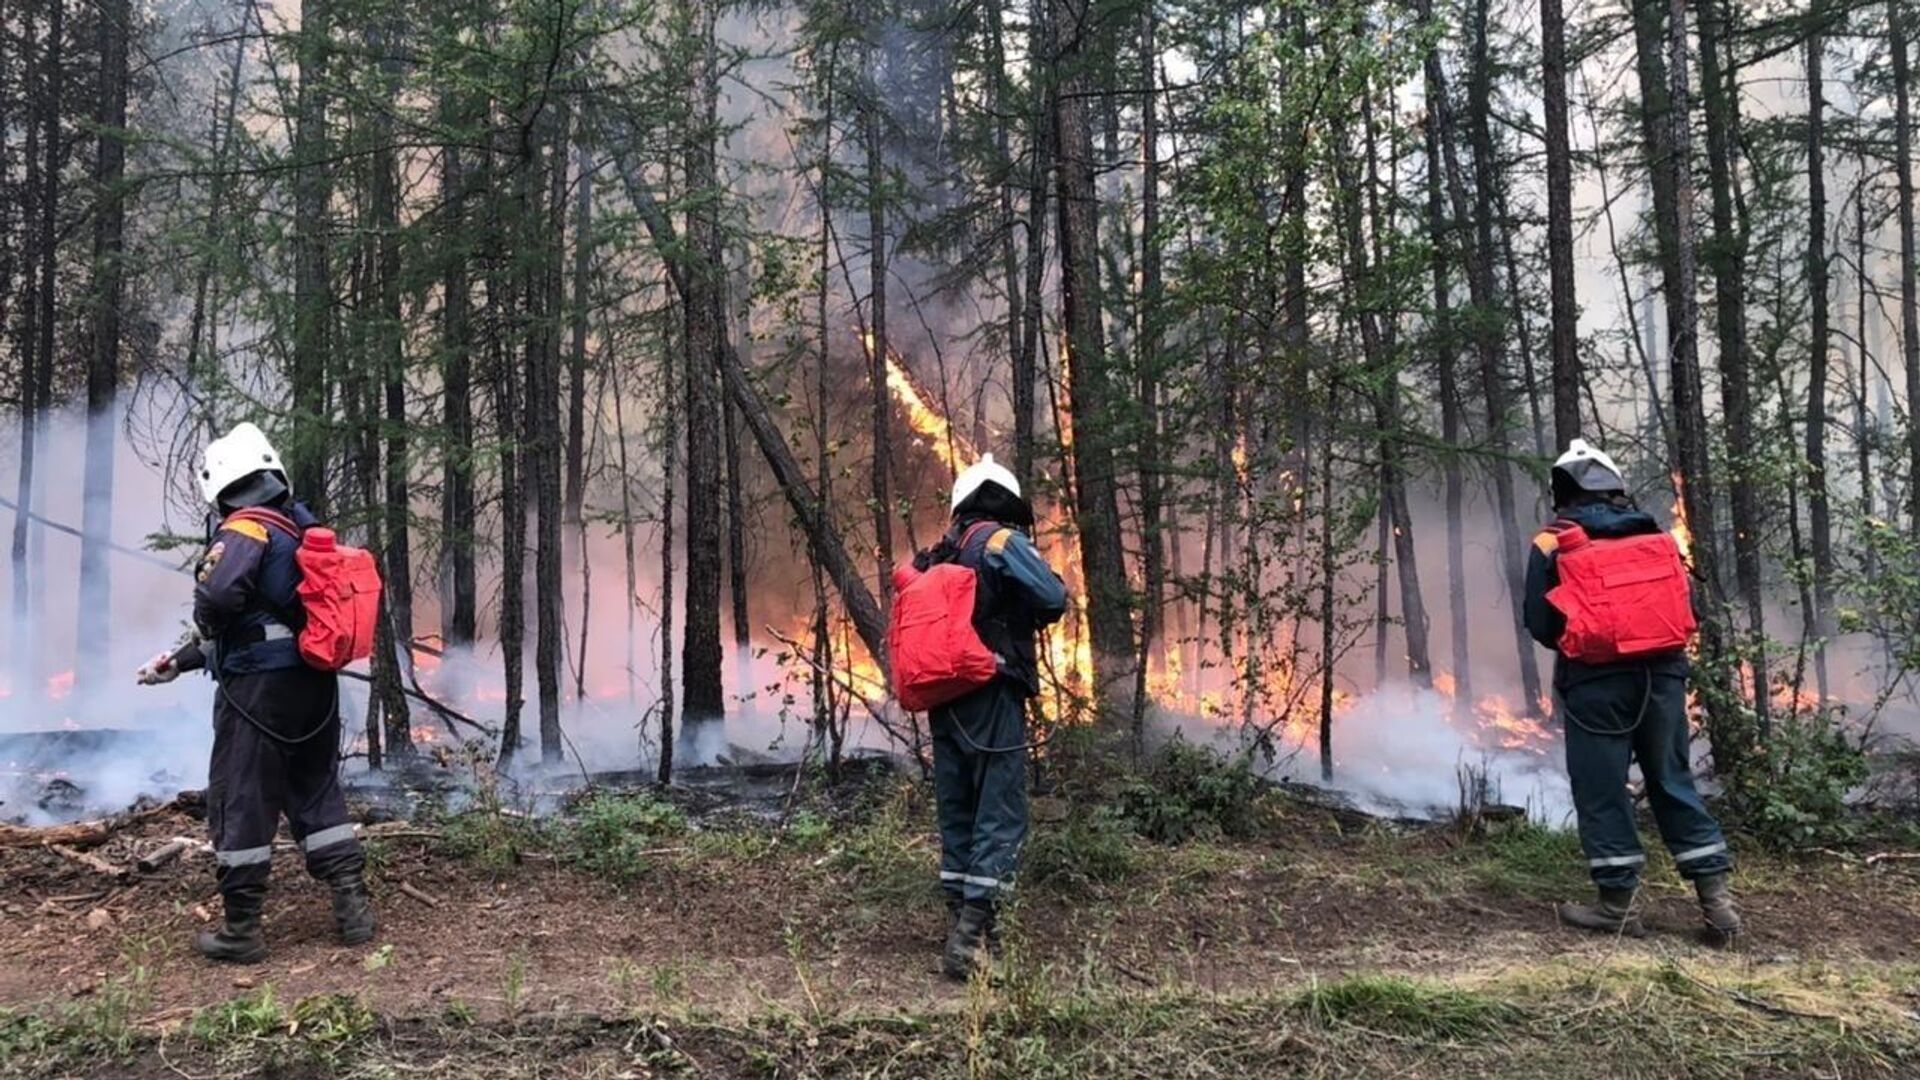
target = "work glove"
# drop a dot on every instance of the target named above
(160, 669)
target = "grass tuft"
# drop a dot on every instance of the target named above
(1405, 1007)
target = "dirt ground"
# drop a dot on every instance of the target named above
(739, 933)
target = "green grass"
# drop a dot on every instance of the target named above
(1403, 1006)
(1528, 860)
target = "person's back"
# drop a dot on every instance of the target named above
(980, 739)
(1618, 712)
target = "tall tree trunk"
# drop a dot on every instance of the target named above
(503, 320)
(457, 511)
(1486, 330)
(103, 367)
(577, 353)
(39, 66)
(1040, 154)
(1147, 350)
(1563, 338)
(390, 373)
(1909, 303)
(1661, 59)
(703, 699)
(312, 277)
(879, 400)
(1446, 365)
(1819, 512)
(1103, 559)
(545, 215)
(1728, 257)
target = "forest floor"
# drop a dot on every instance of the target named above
(627, 940)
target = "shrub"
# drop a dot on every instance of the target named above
(1190, 792)
(1086, 848)
(611, 835)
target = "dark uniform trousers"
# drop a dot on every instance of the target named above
(1612, 720)
(982, 795)
(291, 768)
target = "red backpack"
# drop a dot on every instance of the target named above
(937, 654)
(339, 592)
(1625, 598)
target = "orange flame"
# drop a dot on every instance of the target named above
(932, 428)
(1682, 531)
(60, 685)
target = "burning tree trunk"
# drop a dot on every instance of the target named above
(312, 284)
(880, 401)
(1102, 557)
(1566, 312)
(1728, 256)
(702, 697)
(1661, 52)
(823, 541)
(103, 367)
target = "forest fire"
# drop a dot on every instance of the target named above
(1682, 531)
(926, 421)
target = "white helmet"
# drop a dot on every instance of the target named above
(1590, 469)
(982, 472)
(234, 456)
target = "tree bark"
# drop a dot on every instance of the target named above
(1026, 357)
(1563, 340)
(1909, 303)
(312, 285)
(1728, 256)
(545, 215)
(1147, 350)
(103, 366)
(1093, 416)
(703, 699)
(390, 368)
(1820, 513)
(879, 400)
(457, 510)
(1447, 370)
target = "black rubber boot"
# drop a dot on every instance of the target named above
(1612, 913)
(236, 941)
(352, 910)
(1716, 907)
(966, 951)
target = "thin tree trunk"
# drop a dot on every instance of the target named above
(1026, 358)
(38, 63)
(457, 511)
(577, 353)
(1562, 339)
(1446, 367)
(389, 372)
(1820, 513)
(1154, 559)
(103, 367)
(1909, 303)
(545, 215)
(879, 400)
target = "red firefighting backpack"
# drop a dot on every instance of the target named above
(1625, 598)
(937, 654)
(339, 592)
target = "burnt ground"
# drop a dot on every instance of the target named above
(522, 938)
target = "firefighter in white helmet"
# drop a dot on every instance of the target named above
(276, 743)
(979, 740)
(1607, 591)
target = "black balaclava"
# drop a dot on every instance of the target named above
(990, 501)
(265, 487)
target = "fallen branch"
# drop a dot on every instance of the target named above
(92, 862)
(1892, 856)
(163, 854)
(398, 830)
(419, 894)
(82, 833)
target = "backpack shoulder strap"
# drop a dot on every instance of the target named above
(974, 530)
